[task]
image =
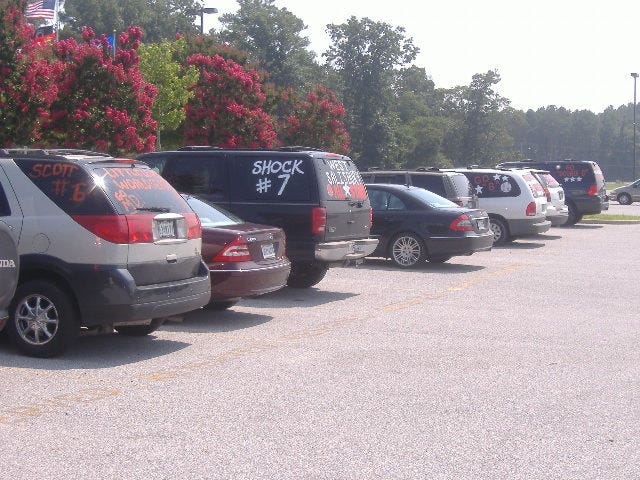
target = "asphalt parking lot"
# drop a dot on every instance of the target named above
(519, 363)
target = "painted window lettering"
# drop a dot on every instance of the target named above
(344, 182)
(282, 170)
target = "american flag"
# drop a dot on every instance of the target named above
(41, 9)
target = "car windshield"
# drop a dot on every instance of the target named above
(432, 199)
(211, 215)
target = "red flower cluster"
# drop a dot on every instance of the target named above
(316, 121)
(226, 108)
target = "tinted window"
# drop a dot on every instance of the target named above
(433, 183)
(462, 185)
(491, 185)
(264, 177)
(381, 200)
(68, 185)
(4, 203)
(398, 178)
(195, 174)
(339, 179)
(139, 189)
(572, 173)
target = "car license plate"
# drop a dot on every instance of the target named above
(166, 229)
(268, 251)
(483, 224)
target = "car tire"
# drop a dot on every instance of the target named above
(44, 320)
(406, 250)
(500, 231)
(438, 258)
(219, 306)
(573, 215)
(624, 199)
(306, 275)
(139, 330)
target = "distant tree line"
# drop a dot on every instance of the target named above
(255, 82)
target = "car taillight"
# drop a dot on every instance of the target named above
(236, 251)
(593, 190)
(135, 228)
(531, 209)
(461, 224)
(318, 220)
(194, 228)
(370, 217)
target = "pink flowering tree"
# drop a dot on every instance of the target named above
(315, 121)
(225, 110)
(102, 102)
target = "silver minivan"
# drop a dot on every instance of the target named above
(103, 243)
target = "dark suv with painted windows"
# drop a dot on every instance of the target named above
(582, 181)
(318, 199)
(103, 242)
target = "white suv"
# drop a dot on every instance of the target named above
(514, 199)
(103, 242)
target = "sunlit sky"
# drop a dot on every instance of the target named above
(569, 53)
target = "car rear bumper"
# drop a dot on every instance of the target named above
(112, 296)
(446, 246)
(526, 227)
(558, 217)
(232, 284)
(345, 250)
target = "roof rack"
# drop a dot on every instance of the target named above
(427, 169)
(195, 148)
(51, 151)
(299, 148)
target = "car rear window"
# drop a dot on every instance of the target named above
(121, 189)
(138, 189)
(462, 185)
(274, 179)
(339, 179)
(433, 183)
(492, 185)
(580, 173)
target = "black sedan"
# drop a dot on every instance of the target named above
(413, 225)
(244, 259)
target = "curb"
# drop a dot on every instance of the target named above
(609, 222)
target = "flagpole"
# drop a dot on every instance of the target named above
(55, 18)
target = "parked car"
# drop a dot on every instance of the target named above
(413, 225)
(627, 194)
(103, 243)
(316, 197)
(514, 200)
(557, 210)
(451, 185)
(582, 181)
(244, 259)
(9, 262)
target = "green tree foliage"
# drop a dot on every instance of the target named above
(366, 56)
(159, 63)
(480, 134)
(159, 19)
(273, 38)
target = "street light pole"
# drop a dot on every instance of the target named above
(635, 77)
(202, 11)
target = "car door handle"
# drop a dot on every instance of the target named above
(172, 258)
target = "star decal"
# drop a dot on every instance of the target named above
(478, 189)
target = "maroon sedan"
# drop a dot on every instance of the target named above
(244, 259)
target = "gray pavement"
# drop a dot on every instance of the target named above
(519, 363)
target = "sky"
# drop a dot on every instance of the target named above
(576, 54)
